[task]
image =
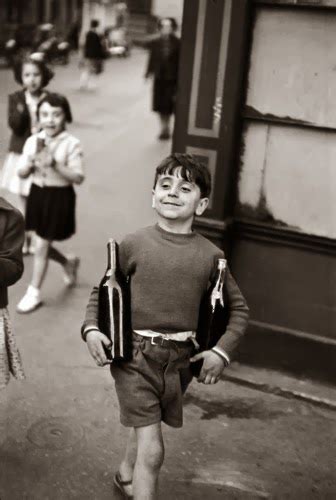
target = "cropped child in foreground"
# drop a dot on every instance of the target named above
(170, 267)
(11, 269)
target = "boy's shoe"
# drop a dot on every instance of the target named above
(70, 271)
(30, 301)
(120, 485)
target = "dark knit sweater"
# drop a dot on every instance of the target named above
(169, 274)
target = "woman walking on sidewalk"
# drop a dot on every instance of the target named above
(54, 158)
(163, 66)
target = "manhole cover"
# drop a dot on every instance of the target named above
(55, 433)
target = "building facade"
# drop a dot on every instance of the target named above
(255, 102)
(61, 13)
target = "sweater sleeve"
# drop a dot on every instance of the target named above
(91, 312)
(11, 262)
(75, 159)
(238, 317)
(18, 120)
(29, 150)
(150, 61)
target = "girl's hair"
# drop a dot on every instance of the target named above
(94, 23)
(172, 20)
(46, 72)
(189, 168)
(57, 101)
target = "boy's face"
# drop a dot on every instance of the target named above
(52, 119)
(174, 198)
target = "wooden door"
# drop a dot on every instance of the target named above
(214, 35)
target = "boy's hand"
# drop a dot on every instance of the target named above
(212, 367)
(94, 340)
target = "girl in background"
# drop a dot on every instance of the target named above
(34, 76)
(11, 269)
(54, 158)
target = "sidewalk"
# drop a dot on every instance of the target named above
(60, 437)
(282, 384)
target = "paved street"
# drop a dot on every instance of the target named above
(59, 433)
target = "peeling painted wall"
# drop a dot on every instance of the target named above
(288, 172)
(293, 65)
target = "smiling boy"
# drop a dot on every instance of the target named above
(170, 267)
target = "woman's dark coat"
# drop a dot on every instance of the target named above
(11, 241)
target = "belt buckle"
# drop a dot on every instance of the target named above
(158, 340)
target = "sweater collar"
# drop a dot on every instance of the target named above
(175, 237)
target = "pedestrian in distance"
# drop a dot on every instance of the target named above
(94, 55)
(54, 159)
(34, 76)
(11, 269)
(163, 61)
(169, 267)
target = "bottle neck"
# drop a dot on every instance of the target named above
(217, 292)
(111, 257)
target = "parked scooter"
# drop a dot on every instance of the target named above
(55, 51)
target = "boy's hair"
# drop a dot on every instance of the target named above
(46, 72)
(57, 101)
(191, 169)
(94, 23)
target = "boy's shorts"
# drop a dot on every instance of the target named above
(150, 387)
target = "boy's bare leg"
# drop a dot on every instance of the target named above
(148, 463)
(127, 465)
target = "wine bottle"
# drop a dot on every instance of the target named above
(114, 307)
(212, 315)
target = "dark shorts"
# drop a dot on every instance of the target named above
(150, 387)
(50, 212)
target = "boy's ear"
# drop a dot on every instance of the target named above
(153, 202)
(202, 206)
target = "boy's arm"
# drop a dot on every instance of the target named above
(18, 116)
(91, 314)
(238, 319)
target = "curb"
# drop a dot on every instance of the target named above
(279, 391)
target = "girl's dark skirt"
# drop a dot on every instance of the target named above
(51, 212)
(164, 93)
